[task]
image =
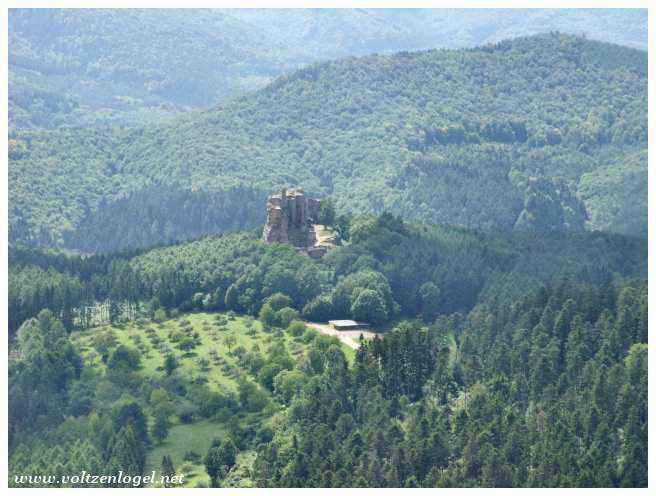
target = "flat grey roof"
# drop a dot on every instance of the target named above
(346, 323)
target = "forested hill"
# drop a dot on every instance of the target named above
(543, 133)
(412, 269)
(72, 67)
(510, 360)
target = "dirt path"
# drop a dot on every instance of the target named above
(325, 237)
(349, 338)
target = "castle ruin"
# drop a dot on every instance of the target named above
(291, 219)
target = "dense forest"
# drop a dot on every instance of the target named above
(482, 177)
(413, 269)
(75, 68)
(437, 401)
(527, 135)
(549, 391)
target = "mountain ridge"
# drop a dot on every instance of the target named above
(137, 66)
(413, 133)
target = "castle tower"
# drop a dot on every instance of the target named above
(290, 218)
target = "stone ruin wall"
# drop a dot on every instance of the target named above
(277, 222)
(290, 219)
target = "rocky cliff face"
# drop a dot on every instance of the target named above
(291, 218)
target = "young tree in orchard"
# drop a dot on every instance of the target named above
(170, 364)
(187, 343)
(230, 340)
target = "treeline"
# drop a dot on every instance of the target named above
(545, 391)
(66, 284)
(165, 214)
(388, 269)
(154, 216)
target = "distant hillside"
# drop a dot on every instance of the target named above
(544, 133)
(73, 67)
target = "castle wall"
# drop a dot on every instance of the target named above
(290, 219)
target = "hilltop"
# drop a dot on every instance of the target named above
(509, 136)
(75, 68)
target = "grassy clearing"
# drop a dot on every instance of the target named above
(184, 438)
(197, 438)
(216, 340)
